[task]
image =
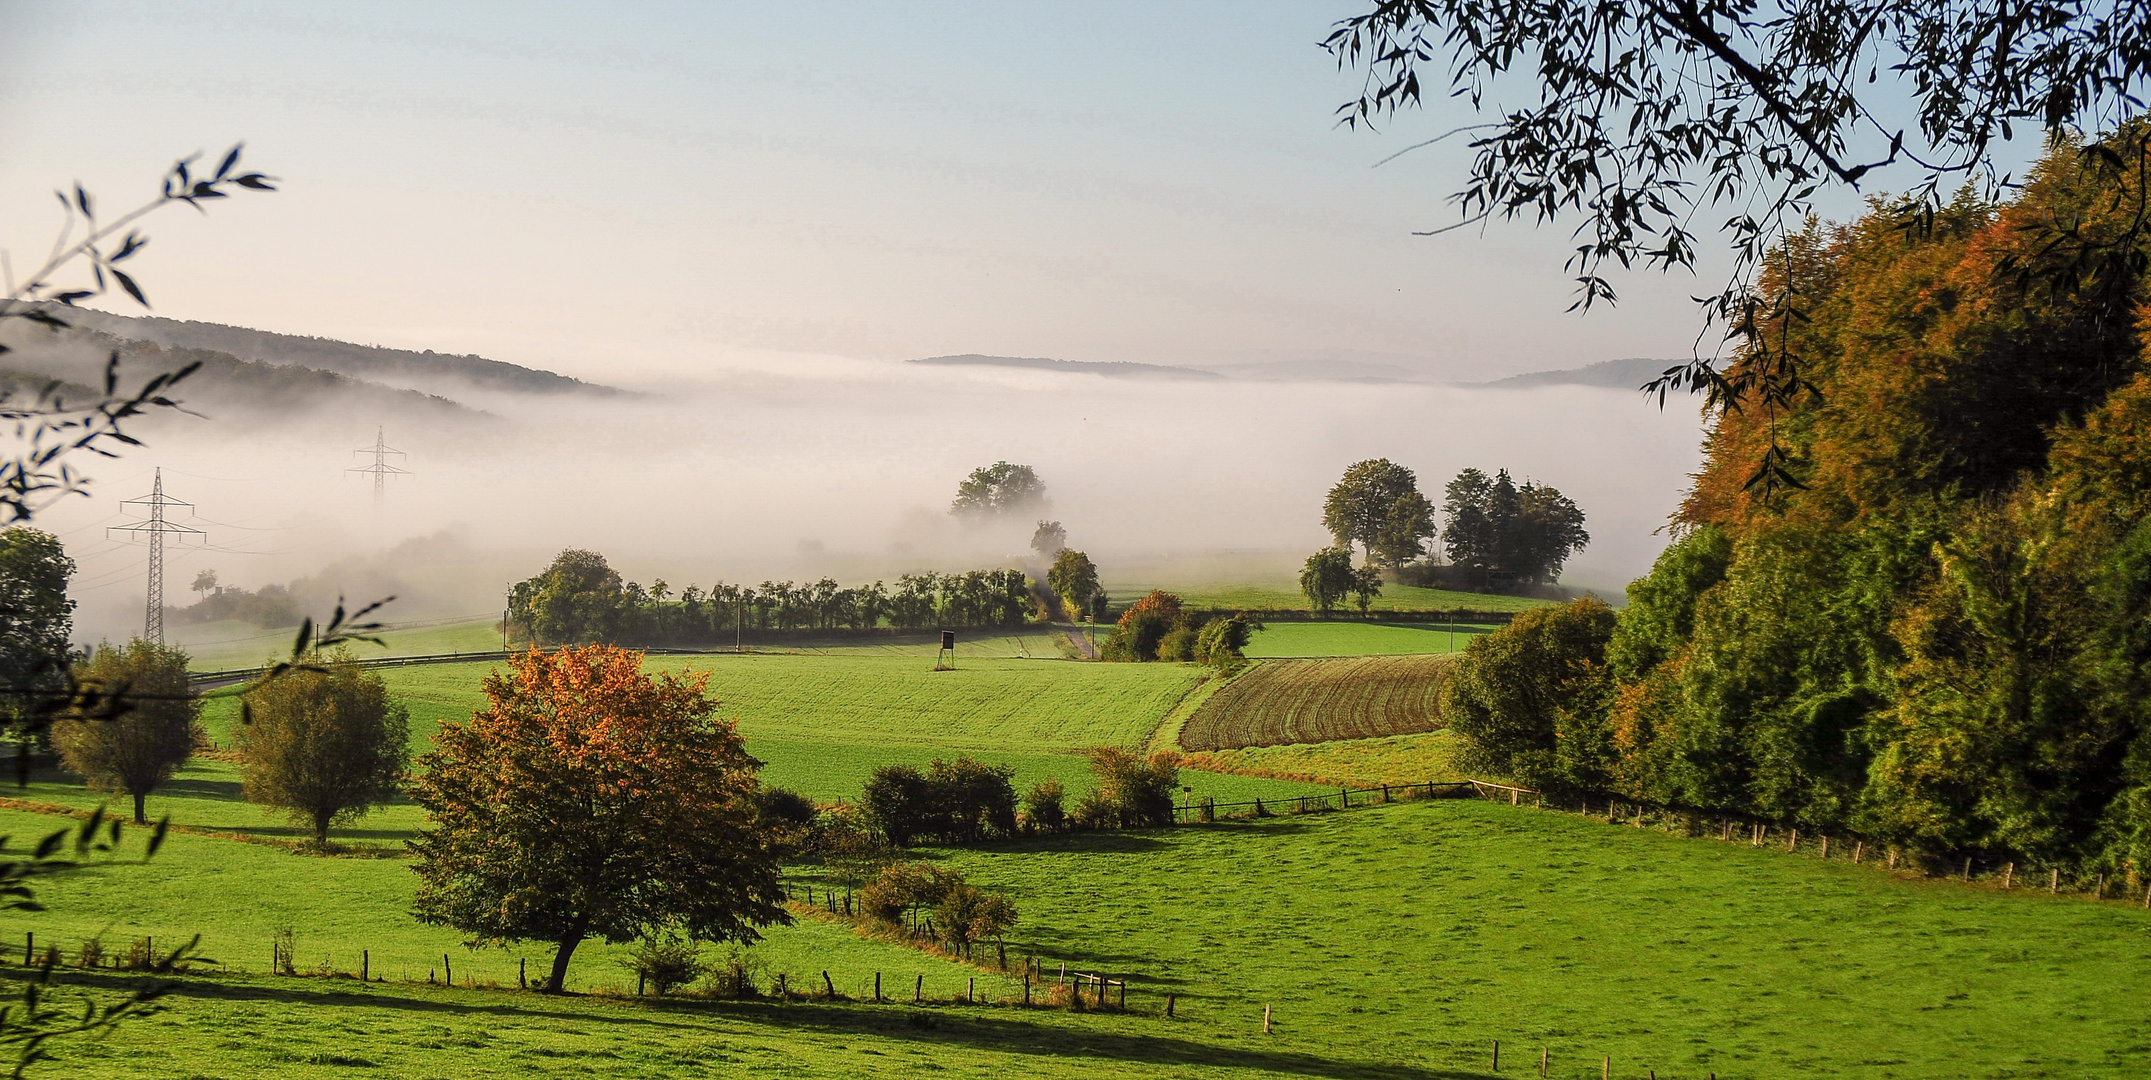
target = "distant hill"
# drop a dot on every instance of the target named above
(1613, 374)
(426, 371)
(224, 385)
(1114, 369)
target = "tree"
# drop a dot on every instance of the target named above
(969, 914)
(957, 802)
(204, 583)
(1073, 578)
(998, 490)
(36, 619)
(588, 799)
(1501, 532)
(1685, 107)
(139, 750)
(578, 599)
(1143, 627)
(1327, 578)
(1530, 698)
(1050, 539)
(1377, 504)
(1366, 585)
(325, 744)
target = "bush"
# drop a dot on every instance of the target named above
(967, 914)
(961, 801)
(1043, 809)
(1094, 811)
(1142, 628)
(138, 750)
(778, 805)
(1177, 646)
(1222, 641)
(665, 963)
(1134, 792)
(906, 889)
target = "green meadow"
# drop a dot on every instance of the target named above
(1391, 941)
(1296, 639)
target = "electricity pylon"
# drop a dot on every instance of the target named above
(380, 469)
(154, 529)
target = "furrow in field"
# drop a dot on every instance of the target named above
(1305, 701)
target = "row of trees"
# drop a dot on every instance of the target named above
(322, 742)
(581, 598)
(1498, 534)
(965, 801)
(1933, 629)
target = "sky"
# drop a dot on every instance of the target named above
(639, 190)
(757, 210)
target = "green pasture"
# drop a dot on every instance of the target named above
(1393, 759)
(1391, 941)
(1288, 639)
(222, 646)
(821, 723)
(1283, 594)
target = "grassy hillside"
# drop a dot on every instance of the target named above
(225, 645)
(1285, 639)
(1394, 941)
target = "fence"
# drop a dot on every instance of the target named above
(1341, 799)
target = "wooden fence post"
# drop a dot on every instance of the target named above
(1265, 1019)
(365, 965)
(971, 996)
(2053, 882)
(522, 973)
(29, 948)
(1825, 847)
(1169, 1000)
(784, 991)
(1967, 870)
(448, 974)
(1026, 988)
(1792, 842)
(2147, 896)
(642, 980)
(1542, 1063)
(918, 990)
(1344, 798)
(1497, 1055)
(1859, 848)
(1123, 993)
(1605, 1068)
(830, 984)
(2009, 875)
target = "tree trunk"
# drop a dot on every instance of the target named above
(321, 828)
(561, 956)
(138, 818)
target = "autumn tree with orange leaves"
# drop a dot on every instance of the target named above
(590, 800)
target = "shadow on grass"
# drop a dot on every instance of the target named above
(998, 1029)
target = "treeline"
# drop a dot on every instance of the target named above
(1916, 603)
(581, 598)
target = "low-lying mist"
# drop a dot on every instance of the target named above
(812, 467)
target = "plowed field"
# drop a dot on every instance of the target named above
(1309, 701)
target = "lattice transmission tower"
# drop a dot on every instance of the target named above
(154, 529)
(379, 468)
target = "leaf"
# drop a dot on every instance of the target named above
(128, 284)
(230, 160)
(82, 200)
(48, 845)
(156, 837)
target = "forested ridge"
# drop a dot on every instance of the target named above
(1938, 633)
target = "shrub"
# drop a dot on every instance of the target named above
(959, 801)
(1094, 811)
(1177, 646)
(1222, 641)
(665, 963)
(1043, 808)
(967, 914)
(1143, 627)
(1138, 790)
(1531, 698)
(905, 889)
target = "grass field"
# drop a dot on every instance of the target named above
(820, 722)
(1290, 639)
(1393, 941)
(222, 646)
(1312, 701)
(1396, 759)
(1284, 594)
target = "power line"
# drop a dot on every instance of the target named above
(154, 529)
(380, 470)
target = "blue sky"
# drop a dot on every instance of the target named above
(630, 189)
